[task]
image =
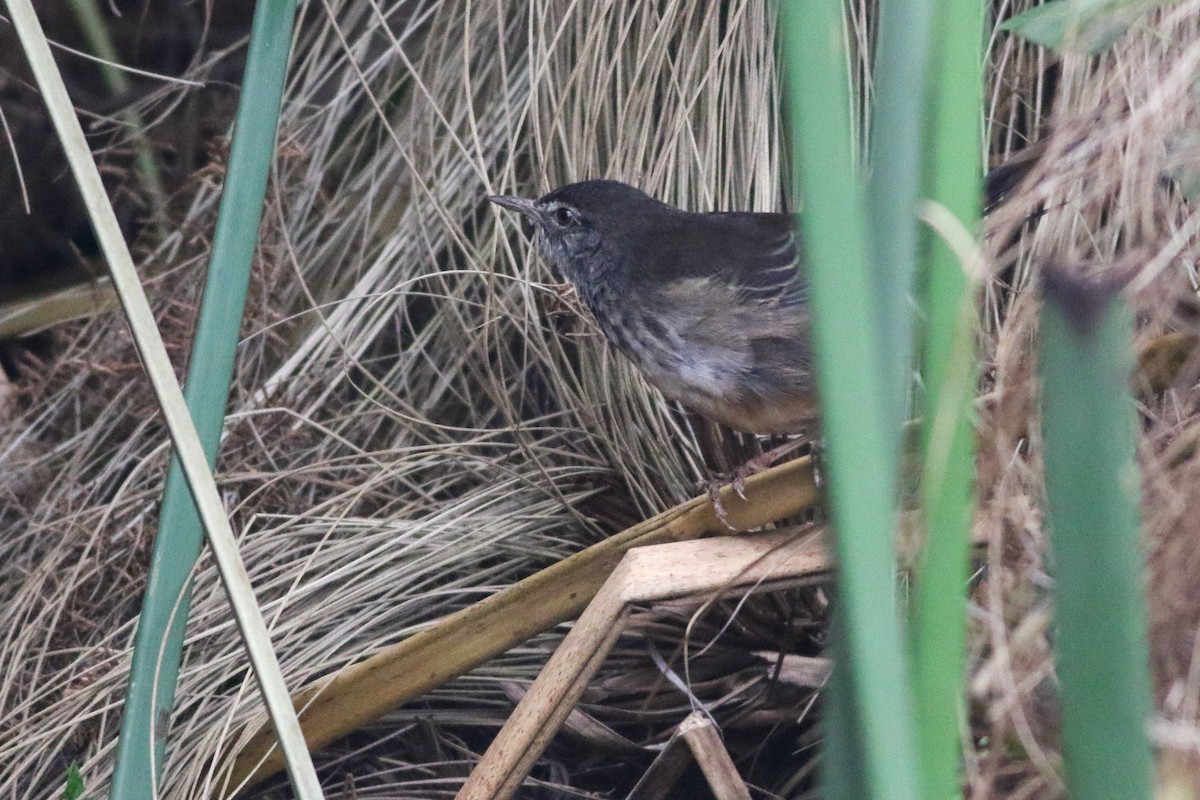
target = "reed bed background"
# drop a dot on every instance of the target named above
(419, 417)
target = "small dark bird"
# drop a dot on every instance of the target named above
(709, 306)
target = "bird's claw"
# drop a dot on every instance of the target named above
(714, 494)
(739, 482)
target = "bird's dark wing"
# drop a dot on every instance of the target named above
(756, 255)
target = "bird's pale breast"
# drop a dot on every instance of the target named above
(741, 364)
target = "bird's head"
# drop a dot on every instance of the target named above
(574, 225)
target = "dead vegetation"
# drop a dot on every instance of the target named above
(416, 422)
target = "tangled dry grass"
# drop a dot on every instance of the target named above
(418, 419)
(1109, 194)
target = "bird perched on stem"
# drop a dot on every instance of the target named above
(710, 306)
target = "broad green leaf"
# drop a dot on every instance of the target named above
(1085, 26)
(74, 788)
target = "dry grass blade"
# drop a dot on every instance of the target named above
(713, 758)
(696, 740)
(361, 693)
(169, 397)
(24, 316)
(1106, 190)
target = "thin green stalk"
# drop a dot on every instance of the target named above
(893, 187)
(1089, 437)
(161, 625)
(842, 775)
(88, 15)
(949, 378)
(860, 464)
(153, 354)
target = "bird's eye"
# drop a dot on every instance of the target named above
(563, 216)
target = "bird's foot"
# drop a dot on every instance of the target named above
(714, 486)
(737, 479)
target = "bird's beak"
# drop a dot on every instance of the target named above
(526, 207)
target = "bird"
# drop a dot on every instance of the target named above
(711, 307)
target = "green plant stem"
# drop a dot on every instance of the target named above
(949, 379)
(153, 354)
(893, 187)
(88, 15)
(1088, 427)
(859, 462)
(163, 619)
